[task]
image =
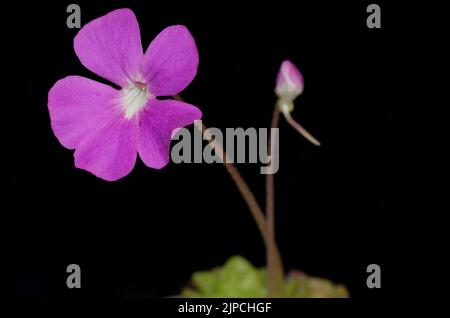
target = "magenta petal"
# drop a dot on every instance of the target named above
(157, 122)
(110, 153)
(170, 62)
(85, 115)
(78, 106)
(110, 46)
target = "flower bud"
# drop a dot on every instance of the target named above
(289, 84)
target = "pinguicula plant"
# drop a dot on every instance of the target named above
(109, 126)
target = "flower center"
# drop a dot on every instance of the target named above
(134, 98)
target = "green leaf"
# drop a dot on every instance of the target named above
(239, 278)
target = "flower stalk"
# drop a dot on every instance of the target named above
(294, 124)
(275, 274)
(241, 184)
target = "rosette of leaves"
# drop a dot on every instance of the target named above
(239, 278)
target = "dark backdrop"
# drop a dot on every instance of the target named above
(376, 192)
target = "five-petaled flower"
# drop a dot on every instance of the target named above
(108, 127)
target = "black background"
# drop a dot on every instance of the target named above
(376, 192)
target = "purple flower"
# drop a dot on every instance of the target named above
(108, 127)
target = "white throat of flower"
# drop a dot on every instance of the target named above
(134, 97)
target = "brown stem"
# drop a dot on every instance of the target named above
(300, 129)
(275, 275)
(242, 186)
(249, 198)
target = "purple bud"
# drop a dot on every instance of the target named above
(289, 82)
